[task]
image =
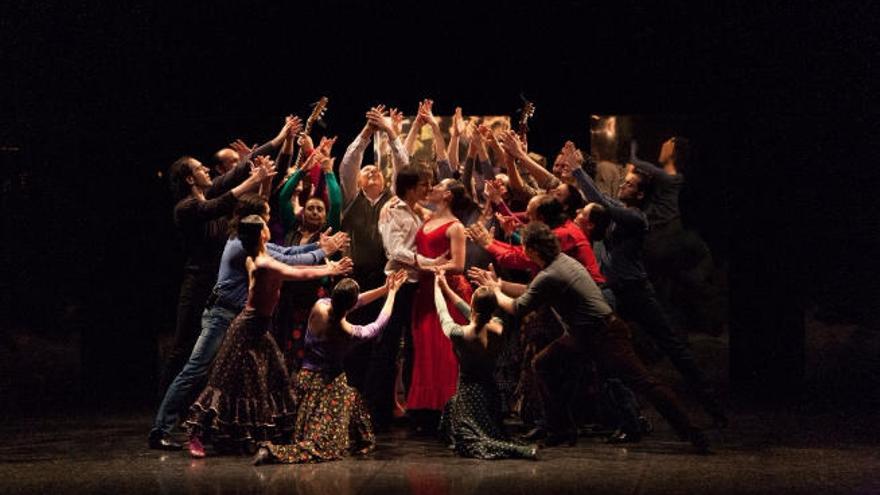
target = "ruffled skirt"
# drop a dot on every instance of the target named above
(248, 398)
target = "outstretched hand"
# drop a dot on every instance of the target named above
(313, 160)
(242, 149)
(487, 278)
(508, 223)
(395, 280)
(263, 168)
(440, 278)
(332, 243)
(341, 267)
(294, 126)
(479, 235)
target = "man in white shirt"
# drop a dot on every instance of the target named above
(399, 222)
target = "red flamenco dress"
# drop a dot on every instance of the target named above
(435, 367)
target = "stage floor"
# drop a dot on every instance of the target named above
(761, 452)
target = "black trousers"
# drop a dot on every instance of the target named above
(610, 346)
(637, 302)
(382, 369)
(194, 291)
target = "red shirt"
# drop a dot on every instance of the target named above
(572, 241)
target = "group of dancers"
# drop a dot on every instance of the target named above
(305, 322)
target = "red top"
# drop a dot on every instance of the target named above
(572, 241)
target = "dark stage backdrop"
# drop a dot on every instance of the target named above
(95, 102)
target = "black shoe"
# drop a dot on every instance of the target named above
(621, 436)
(535, 434)
(698, 439)
(554, 439)
(263, 456)
(163, 441)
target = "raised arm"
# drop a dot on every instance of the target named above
(409, 144)
(450, 328)
(334, 194)
(369, 296)
(513, 146)
(288, 216)
(646, 167)
(399, 156)
(427, 115)
(455, 132)
(285, 155)
(351, 163)
(241, 170)
(369, 331)
(459, 303)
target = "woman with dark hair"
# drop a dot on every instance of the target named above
(302, 228)
(474, 416)
(331, 418)
(248, 396)
(435, 370)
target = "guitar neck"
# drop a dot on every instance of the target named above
(299, 153)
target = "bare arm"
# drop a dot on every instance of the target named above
(409, 143)
(456, 249)
(373, 329)
(371, 295)
(298, 273)
(439, 141)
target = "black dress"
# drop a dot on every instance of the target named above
(473, 418)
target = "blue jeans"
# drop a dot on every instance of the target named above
(215, 322)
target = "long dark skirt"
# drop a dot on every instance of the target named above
(331, 421)
(248, 397)
(475, 422)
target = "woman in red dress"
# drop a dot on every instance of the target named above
(435, 368)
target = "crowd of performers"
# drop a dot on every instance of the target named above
(320, 304)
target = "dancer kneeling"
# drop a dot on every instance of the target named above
(474, 412)
(248, 396)
(328, 409)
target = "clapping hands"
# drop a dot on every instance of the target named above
(513, 145)
(426, 114)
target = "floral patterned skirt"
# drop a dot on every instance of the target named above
(474, 419)
(331, 421)
(247, 398)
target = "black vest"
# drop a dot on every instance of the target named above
(360, 220)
